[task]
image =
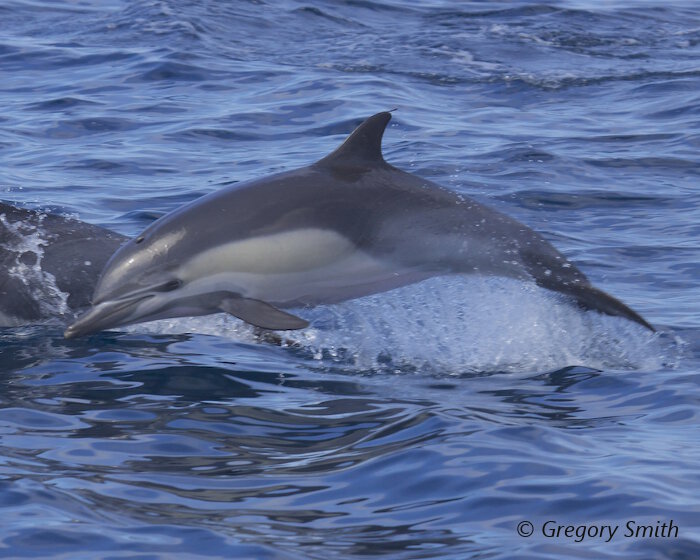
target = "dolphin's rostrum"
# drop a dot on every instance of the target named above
(346, 226)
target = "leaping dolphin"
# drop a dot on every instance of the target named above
(346, 226)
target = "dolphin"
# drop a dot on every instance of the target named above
(49, 264)
(346, 226)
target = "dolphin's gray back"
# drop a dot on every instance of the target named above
(384, 211)
(387, 213)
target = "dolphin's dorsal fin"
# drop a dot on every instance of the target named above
(363, 146)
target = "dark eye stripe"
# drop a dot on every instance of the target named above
(139, 240)
(170, 285)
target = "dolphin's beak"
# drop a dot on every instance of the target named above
(104, 315)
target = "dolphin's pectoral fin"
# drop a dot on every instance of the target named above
(262, 314)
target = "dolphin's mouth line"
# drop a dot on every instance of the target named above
(123, 303)
(137, 295)
(100, 314)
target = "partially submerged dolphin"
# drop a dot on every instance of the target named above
(49, 264)
(344, 227)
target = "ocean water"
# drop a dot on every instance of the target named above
(433, 421)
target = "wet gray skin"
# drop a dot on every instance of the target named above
(35, 244)
(346, 226)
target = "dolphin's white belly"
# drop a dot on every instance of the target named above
(299, 267)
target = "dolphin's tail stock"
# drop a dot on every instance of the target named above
(588, 297)
(559, 275)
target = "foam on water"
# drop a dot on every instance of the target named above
(456, 325)
(24, 239)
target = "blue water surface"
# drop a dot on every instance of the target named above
(427, 422)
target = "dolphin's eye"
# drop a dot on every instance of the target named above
(169, 286)
(139, 239)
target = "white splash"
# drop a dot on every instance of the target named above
(454, 325)
(25, 240)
